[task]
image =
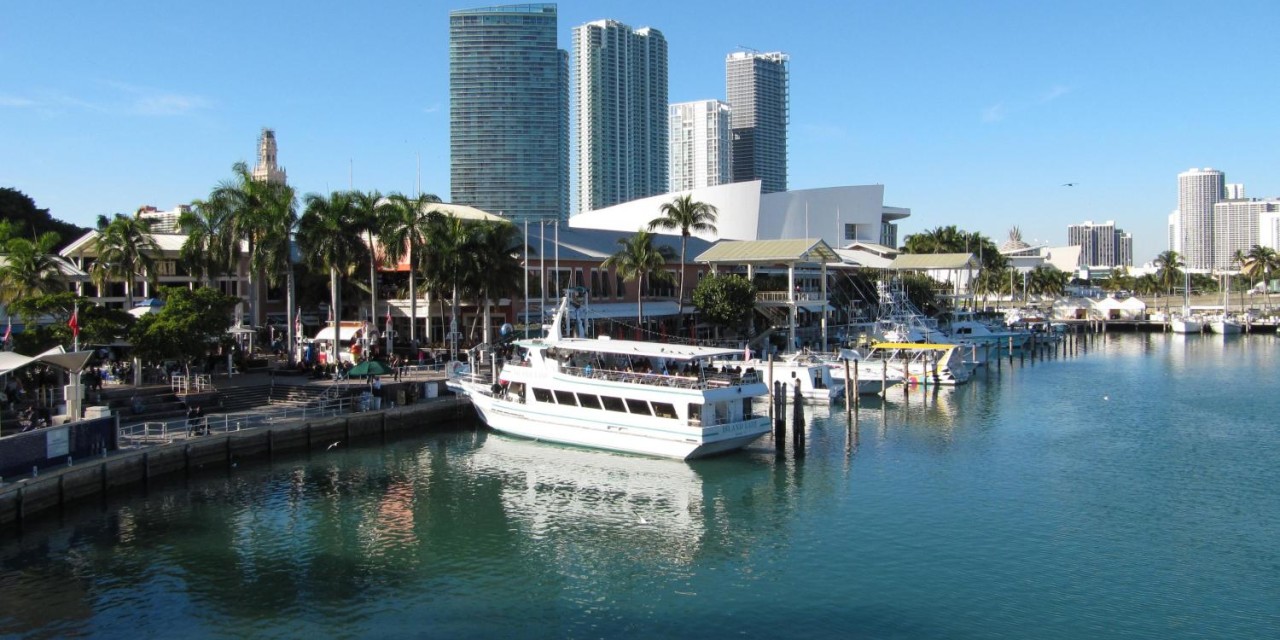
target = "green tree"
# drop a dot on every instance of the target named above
(253, 209)
(498, 246)
(126, 252)
(688, 216)
(451, 266)
(406, 231)
(29, 221)
(210, 250)
(30, 268)
(1261, 260)
(1048, 280)
(98, 324)
(191, 321)
(638, 260)
(726, 301)
(1169, 273)
(325, 238)
(372, 212)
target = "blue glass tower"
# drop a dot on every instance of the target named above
(509, 112)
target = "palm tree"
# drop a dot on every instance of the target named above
(275, 253)
(30, 268)
(688, 216)
(407, 230)
(946, 239)
(498, 246)
(209, 250)
(247, 206)
(371, 211)
(1168, 273)
(126, 251)
(639, 260)
(325, 238)
(1262, 259)
(451, 266)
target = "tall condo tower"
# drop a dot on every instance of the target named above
(1198, 191)
(620, 116)
(757, 91)
(267, 170)
(509, 112)
(1101, 245)
(700, 145)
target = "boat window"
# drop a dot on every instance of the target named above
(614, 404)
(589, 400)
(541, 395)
(664, 410)
(565, 398)
(695, 412)
(516, 389)
(640, 407)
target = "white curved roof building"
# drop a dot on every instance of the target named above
(838, 215)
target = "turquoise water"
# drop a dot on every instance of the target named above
(1130, 491)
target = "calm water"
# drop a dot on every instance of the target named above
(1127, 492)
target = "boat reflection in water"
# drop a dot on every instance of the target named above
(598, 500)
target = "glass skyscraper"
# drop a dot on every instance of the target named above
(757, 92)
(621, 116)
(509, 112)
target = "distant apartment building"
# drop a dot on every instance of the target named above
(1238, 226)
(1269, 230)
(1101, 245)
(700, 149)
(620, 115)
(509, 111)
(1198, 191)
(1175, 231)
(757, 90)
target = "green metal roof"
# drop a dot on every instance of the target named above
(922, 261)
(769, 252)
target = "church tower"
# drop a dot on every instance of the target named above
(266, 169)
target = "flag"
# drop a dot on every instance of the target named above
(74, 323)
(297, 323)
(8, 331)
(388, 317)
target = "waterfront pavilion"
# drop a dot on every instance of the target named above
(792, 255)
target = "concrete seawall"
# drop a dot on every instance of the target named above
(27, 498)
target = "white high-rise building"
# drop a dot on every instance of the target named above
(1269, 229)
(620, 116)
(1238, 226)
(267, 169)
(1175, 231)
(1234, 191)
(758, 91)
(1198, 191)
(700, 145)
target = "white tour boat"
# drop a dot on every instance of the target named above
(649, 398)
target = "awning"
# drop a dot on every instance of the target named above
(10, 361)
(655, 309)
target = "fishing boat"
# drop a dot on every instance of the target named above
(646, 398)
(922, 363)
(868, 379)
(812, 378)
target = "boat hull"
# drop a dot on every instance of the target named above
(685, 443)
(1180, 325)
(1225, 327)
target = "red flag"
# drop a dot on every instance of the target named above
(74, 323)
(8, 331)
(388, 317)
(297, 323)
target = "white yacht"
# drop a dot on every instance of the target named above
(648, 398)
(870, 379)
(813, 378)
(921, 363)
(1186, 324)
(1226, 325)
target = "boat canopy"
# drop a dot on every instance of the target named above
(637, 349)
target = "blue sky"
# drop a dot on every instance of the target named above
(970, 113)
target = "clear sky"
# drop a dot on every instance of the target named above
(970, 113)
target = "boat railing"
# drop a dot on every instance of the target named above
(703, 381)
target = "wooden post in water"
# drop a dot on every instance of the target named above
(856, 386)
(884, 378)
(797, 422)
(769, 380)
(780, 416)
(848, 382)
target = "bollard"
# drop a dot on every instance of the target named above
(848, 401)
(856, 393)
(797, 422)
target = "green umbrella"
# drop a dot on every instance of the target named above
(370, 368)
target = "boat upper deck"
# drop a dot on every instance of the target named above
(633, 348)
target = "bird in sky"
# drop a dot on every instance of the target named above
(1070, 184)
(332, 446)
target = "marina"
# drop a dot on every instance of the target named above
(1123, 490)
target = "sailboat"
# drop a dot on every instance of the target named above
(1225, 324)
(1186, 322)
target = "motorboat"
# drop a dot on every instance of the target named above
(647, 398)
